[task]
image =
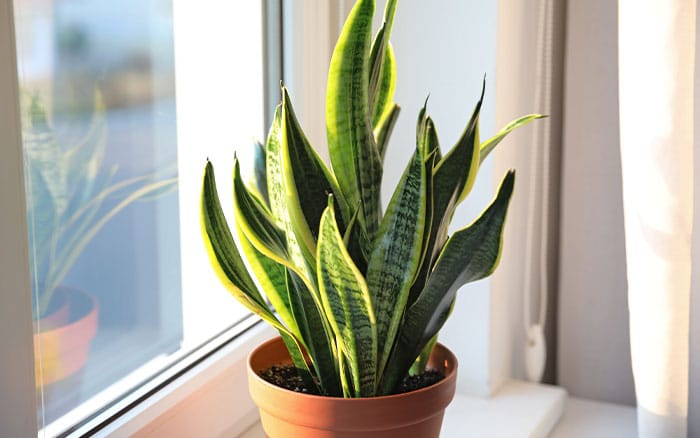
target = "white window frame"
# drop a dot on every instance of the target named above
(215, 387)
(17, 404)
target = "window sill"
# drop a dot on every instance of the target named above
(211, 399)
(586, 418)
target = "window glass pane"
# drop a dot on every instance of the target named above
(122, 102)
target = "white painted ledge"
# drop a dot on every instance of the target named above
(586, 418)
(518, 409)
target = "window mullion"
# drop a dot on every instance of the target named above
(17, 404)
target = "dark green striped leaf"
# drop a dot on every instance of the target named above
(275, 178)
(382, 77)
(279, 203)
(347, 304)
(307, 180)
(267, 240)
(432, 140)
(396, 255)
(383, 130)
(470, 254)
(221, 247)
(272, 277)
(356, 243)
(316, 333)
(256, 223)
(351, 144)
(433, 236)
(381, 99)
(456, 172)
(229, 267)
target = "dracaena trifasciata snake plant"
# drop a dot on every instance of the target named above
(357, 295)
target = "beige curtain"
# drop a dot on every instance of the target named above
(656, 63)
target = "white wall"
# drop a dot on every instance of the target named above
(529, 79)
(443, 50)
(594, 352)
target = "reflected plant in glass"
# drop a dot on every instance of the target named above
(72, 195)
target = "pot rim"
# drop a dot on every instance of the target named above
(451, 368)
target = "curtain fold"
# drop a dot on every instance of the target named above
(656, 63)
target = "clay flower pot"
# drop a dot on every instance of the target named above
(288, 414)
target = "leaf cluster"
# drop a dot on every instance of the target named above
(358, 294)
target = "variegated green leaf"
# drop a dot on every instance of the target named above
(343, 370)
(230, 268)
(222, 250)
(490, 144)
(470, 254)
(255, 223)
(432, 140)
(356, 243)
(382, 77)
(351, 144)
(347, 303)
(304, 302)
(274, 176)
(272, 277)
(279, 205)
(307, 180)
(396, 255)
(430, 236)
(422, 131)
(381, 99)
(453, 176)
(421, 363)
(426, 135)
(383, 130)
(258, 226)
(457, 170)
(317, 334)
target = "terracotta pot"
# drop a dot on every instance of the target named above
(62, 343)
(288, 414)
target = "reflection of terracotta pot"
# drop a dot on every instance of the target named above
(58, 313)
(62, 344)
(288, 414)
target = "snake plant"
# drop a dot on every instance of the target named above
(70, 195)
(358, 294)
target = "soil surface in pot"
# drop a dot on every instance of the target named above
(286, 376)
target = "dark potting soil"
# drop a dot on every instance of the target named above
(286, 376)
(423, 380)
